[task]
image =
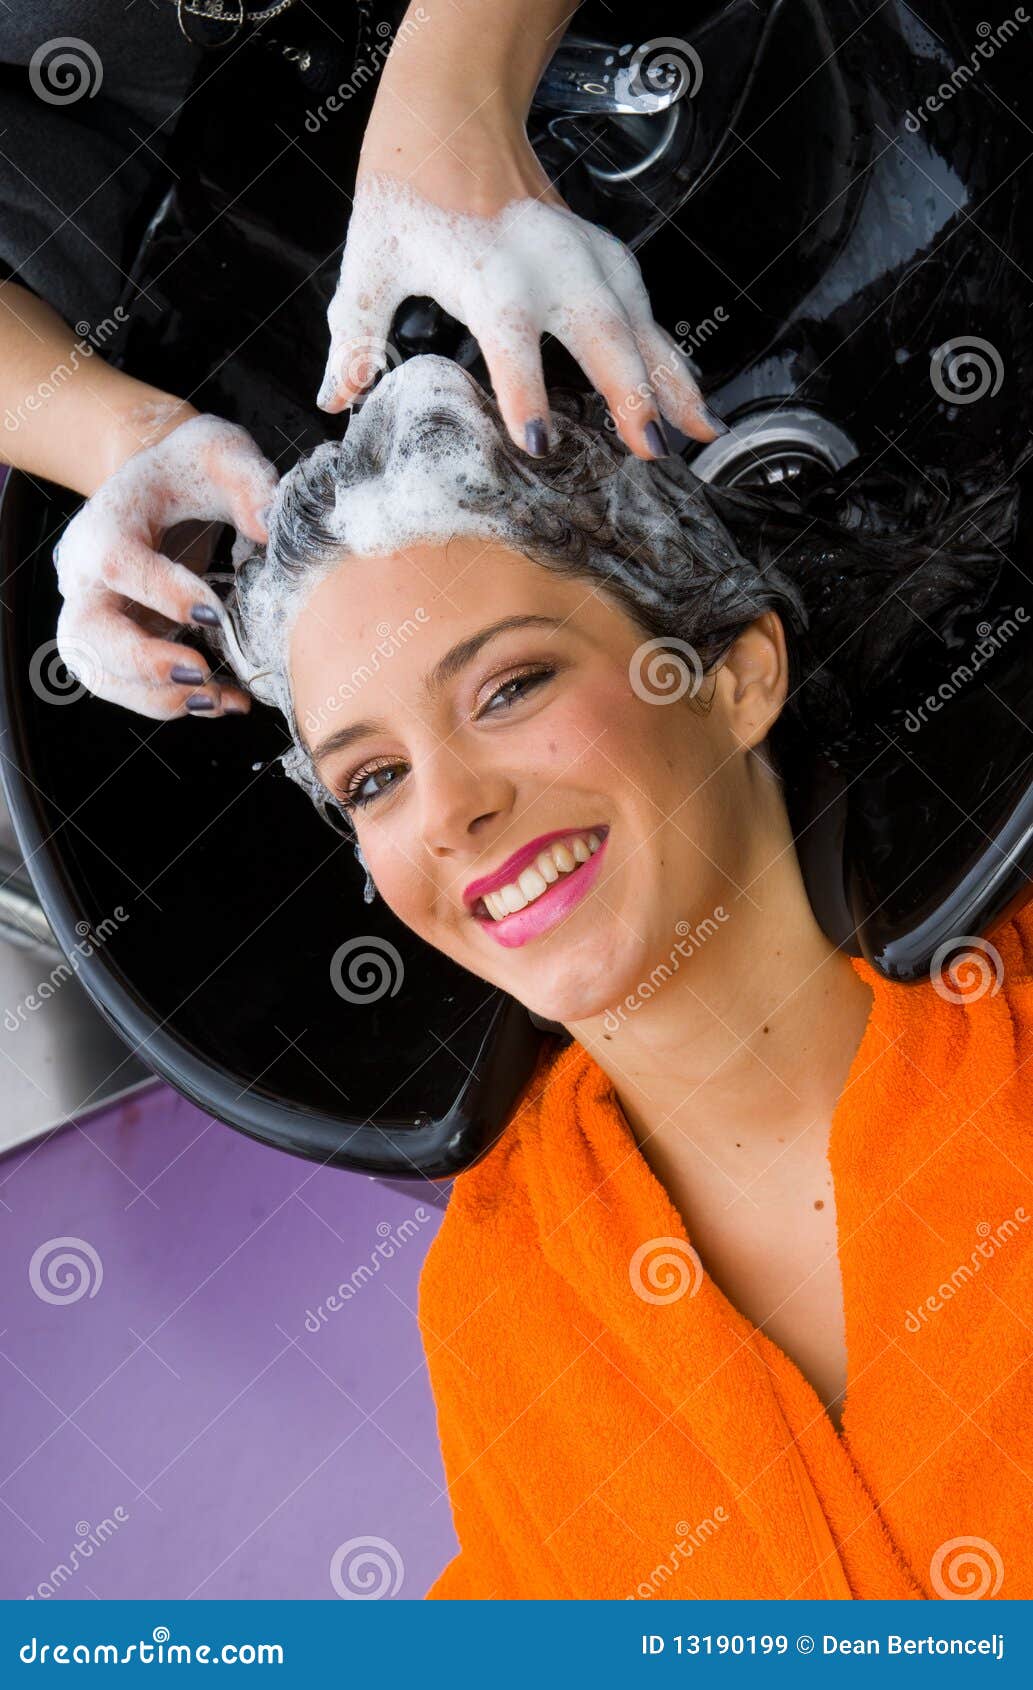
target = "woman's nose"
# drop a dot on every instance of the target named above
(459, 800)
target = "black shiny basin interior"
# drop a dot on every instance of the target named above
(245, 966)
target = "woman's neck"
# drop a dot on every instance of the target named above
(759, 1025)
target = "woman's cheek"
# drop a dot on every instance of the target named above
(590, 717)
(398, 883)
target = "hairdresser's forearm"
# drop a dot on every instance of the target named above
(473, 51)
(65, 414)
(463, 68)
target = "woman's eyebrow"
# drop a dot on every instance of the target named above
(444, 670)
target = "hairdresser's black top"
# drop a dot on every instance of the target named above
(82, 129)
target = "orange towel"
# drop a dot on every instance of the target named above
(599, 1444)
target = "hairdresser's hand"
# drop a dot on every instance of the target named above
(452, 203)
(123, 597)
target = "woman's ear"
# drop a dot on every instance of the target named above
(754, 679)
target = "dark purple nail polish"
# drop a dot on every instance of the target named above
(234, 710)
(205, 614)
(656, 440)
(712, 419)
(186, 675)
(536, 438)
(200, 701)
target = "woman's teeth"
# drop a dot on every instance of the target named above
(556, 860)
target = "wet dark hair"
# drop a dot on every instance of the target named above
(870, 574)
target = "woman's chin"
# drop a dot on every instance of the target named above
(588, 986)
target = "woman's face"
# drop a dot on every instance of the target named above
(492, 728)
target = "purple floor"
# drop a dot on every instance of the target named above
(179, 1430)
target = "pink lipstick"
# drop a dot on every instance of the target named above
(553, 906)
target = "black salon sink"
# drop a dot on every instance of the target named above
(842, 247)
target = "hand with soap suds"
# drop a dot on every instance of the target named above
(123, 598)
(532, 268)
(451, 202)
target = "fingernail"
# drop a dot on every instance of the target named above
(712, 419)
(200, 701)
(326, 392)
(536, 438)
(186, 675)
(235, 710)
(204, 613)
(656, 440)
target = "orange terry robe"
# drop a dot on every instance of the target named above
(599, 1442)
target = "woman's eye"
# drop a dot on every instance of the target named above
(517, 687)
(362, 789)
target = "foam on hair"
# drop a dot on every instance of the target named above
(426, 459)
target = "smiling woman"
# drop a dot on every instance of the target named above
(712, 1211)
